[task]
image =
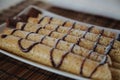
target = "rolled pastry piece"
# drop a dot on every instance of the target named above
(83, 42)
(78, 33)
(50, 20)
(63, 60)
(62, 45)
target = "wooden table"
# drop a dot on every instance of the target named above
(11, 69)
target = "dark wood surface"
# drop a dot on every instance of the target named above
(11, 69)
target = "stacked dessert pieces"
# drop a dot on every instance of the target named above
(69, 46)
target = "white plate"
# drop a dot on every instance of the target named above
(42, 66)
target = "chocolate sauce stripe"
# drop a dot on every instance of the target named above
(23, 26)
(82, 64)
(67, 33)
(31, 46)
(41, 19)
(61, 61)
(28, 35)
(107, 50)
(97, 41)
(109, 47)
(42, 39)
(63, 56)
(27, 49)
(81, 68)
(14, 31)
(50, 20)
(100, 64)
(38, 30)
(51, 51)
(88, 30)
(64, 23)
(4, 36)
(51, 57)
(56, 29)
(51, 33)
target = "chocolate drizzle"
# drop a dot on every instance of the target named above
(38, 29)
(88, 30)
(100, 64)
(14, 31)
(64, 23)
(52, 50)
(50, 33)
(50, 20)
(4, 36)
(42, 39)
(27, 49)
(56, 29)
(23, 26)
(109, 47)
(63, 38)
(28, 35)
(53, 31)
(41, 19)
(63, 57)
(82, 64)
(98, 39)
(107, 50)
(73, 26)
(51, 53)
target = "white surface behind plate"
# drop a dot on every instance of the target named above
(4, 4)
(107, 8)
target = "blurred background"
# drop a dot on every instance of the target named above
(97, 12)
(106, 8)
